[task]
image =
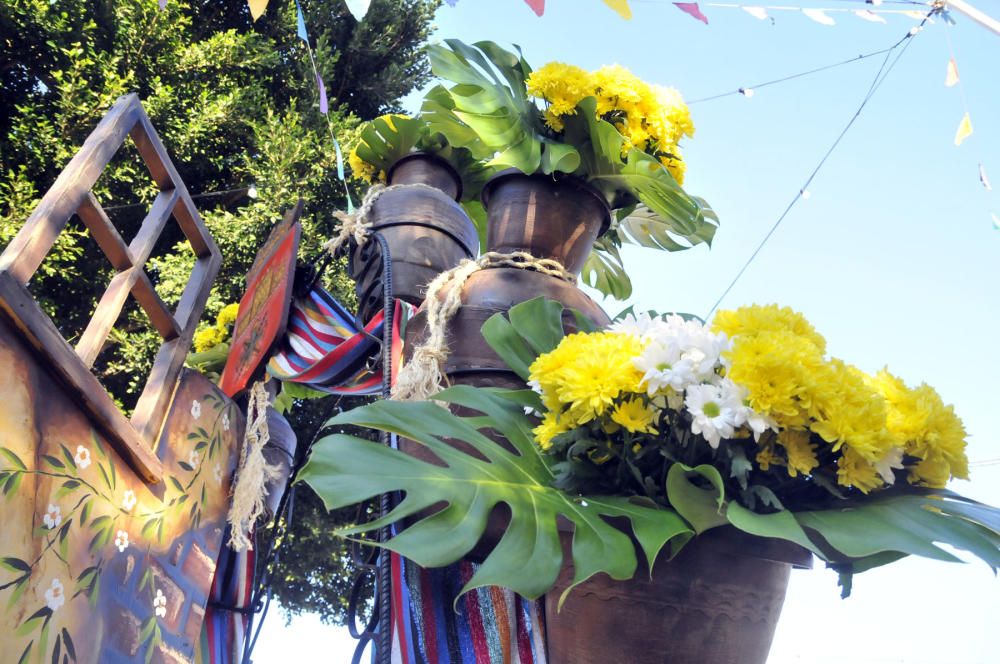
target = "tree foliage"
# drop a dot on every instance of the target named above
(235, 103)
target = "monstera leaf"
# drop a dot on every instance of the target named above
(386, 140)
(489, 103)
(344, 470)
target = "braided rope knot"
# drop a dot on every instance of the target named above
(357, 225)
(423, 375)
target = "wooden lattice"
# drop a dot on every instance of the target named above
(71, 195)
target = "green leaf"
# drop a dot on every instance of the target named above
(13, 458)
(85, 511)
(604, 270)
(40, 616)
(344, 470)
(18, 592)
(539, 322)
(559, 157)
(25, 656)
(53, 461)
(508, 344)
(70, 648)
(14, 564)
(781, 525)
(68, 456)
(703, 508)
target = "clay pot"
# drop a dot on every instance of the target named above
(717, 601)
(427, 231)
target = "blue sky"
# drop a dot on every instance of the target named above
(893, 257)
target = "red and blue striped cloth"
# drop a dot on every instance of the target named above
(325, 349)
(224, 629)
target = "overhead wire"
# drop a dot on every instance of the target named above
(877, 81)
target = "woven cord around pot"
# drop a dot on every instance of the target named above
(249, 488)
(356, 224)
(422, 376)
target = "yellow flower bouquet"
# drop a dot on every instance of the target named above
(677, 428)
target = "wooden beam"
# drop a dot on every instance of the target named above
(18, 304)
(159, 315)
(107, 312)
(142, 244)
(151, 409)
(104, 233)
(28, 248)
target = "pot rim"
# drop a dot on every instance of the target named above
(436, 160)
(563, 178)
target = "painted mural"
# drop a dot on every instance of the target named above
(96, 565)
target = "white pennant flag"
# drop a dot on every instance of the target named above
(985, 180)
(358, 8)
(996, 221)
(756, 12)
(819, 16)
(868, 15)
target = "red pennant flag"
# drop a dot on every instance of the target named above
(692, 9)
(537, 6)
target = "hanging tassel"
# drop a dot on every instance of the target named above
(249, 489)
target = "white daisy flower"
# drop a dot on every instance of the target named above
(160, 604)
(121, 541)
(195, 409)
(55, 597)
(225, 421)
(639, 325)
(128, 500)
(894, 459)
(663, 368)
(52, 517)
(714, 412)
(82, 457)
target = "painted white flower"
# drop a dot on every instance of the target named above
(225, 421)
(160, 604)
(195, 409)
(121, 541)
(217, 473)
(82, 457)
(714, 410)
(128, 500)
(193, 458)
(55, 597)
(52, 517)
(894, 459)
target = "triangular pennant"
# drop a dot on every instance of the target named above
(985, 180)
(323, 107)
(451, 3)
(913, 13)
(868, 15)
(257, 8)
(996, 221)
(300, 21)
(756, 12)
(964, 129)
(537, 6)
(621, 7)
(691, 8)
(358, 8)
(819, 16)
(951, 77)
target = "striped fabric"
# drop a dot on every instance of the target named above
(492, 625)
(325, 350)
(223, 631)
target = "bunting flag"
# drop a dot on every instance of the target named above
(820, 16)
(537, 6)
(869, 16)
(996, 221)
(621, 8)
(451, 3)
(323, 106)
(951, 76)
(300, 22)
(358, 8)
(964, 129)
(691, 8)
(985, 180)
(257, 8)
(756, 12)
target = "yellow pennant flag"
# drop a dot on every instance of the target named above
(257, 8)
(951, 78)
(964, 129)
(620, 6)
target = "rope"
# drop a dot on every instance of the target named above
(249, 489)
(356, 225)
(422, 375)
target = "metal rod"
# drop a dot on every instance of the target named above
(977, 15)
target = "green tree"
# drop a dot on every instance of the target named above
(235, 103)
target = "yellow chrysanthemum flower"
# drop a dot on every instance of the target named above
(635, 415)
(853, 470)
(549, 428)
(563, 87)
(208, 338)
(228, 315)
(801, 453)
(360, 169)
(761, 318)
